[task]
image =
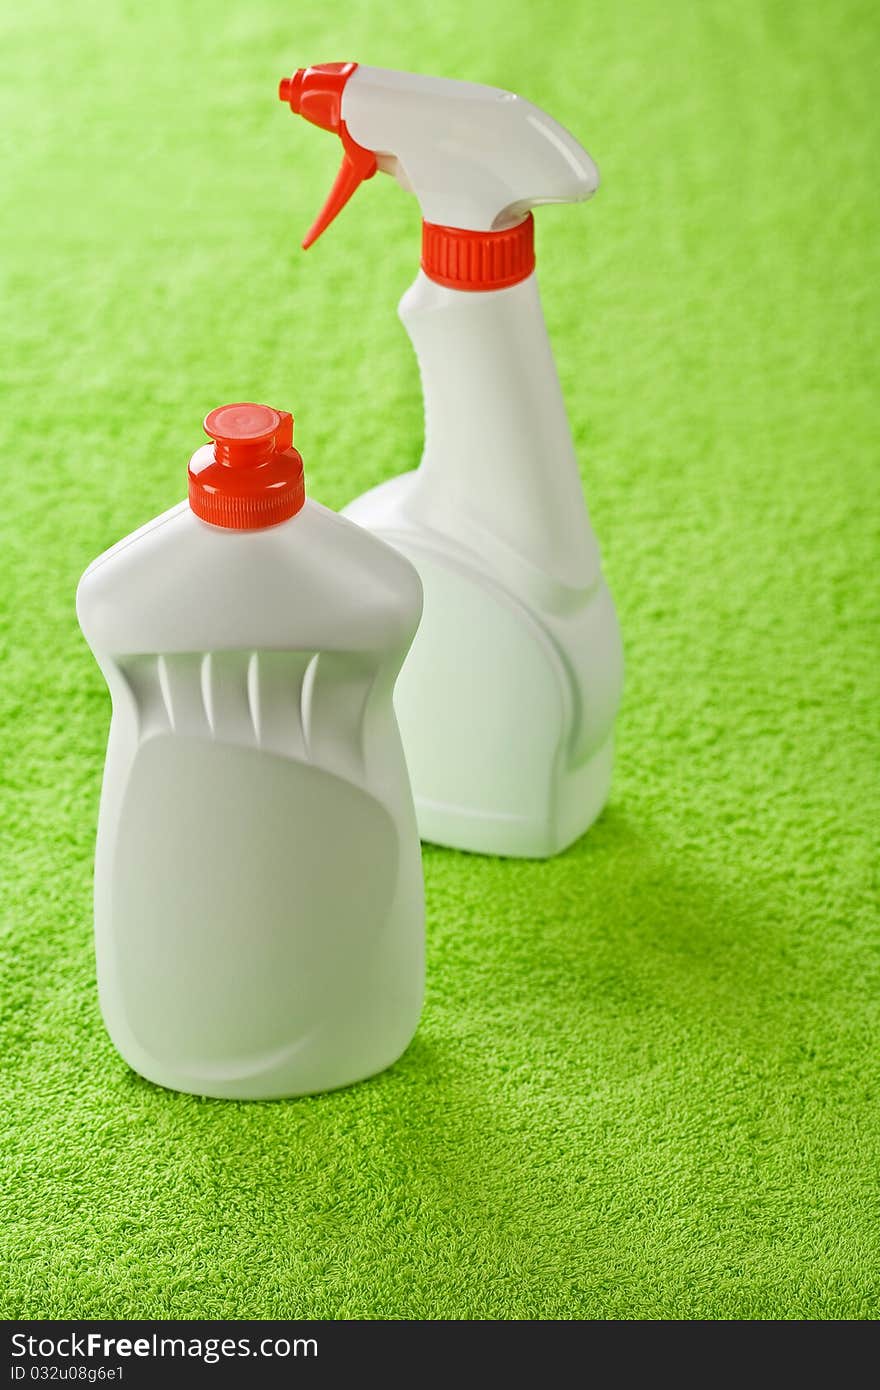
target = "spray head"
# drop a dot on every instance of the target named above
(476, 158)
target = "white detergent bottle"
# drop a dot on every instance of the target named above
(259, 914)
(508, 698)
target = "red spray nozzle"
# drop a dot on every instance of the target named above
(287, 90)
(316, 94)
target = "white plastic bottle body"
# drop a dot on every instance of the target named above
(508, 698)
(259, 916)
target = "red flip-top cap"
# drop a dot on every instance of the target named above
(252, 476)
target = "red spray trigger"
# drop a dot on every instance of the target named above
(316, 94)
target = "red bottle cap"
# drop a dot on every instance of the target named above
(466, 260)
(253, 476)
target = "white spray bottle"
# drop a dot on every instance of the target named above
(507, 700)
(259, 914)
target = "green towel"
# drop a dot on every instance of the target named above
(646, 1080)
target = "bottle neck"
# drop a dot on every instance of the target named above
(499, 457)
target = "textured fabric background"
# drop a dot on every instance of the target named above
(646, 1082)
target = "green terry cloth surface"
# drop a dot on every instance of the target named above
(646, 1081)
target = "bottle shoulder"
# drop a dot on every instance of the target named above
(315, 582)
